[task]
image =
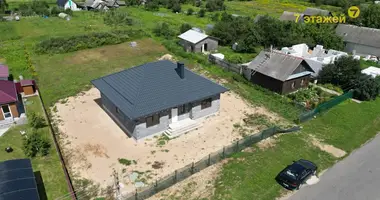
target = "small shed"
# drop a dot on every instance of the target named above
(28, 87)
(195, 41)
(372, 71)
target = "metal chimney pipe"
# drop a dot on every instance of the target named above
(181, 69)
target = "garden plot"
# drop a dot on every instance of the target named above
(94, 145)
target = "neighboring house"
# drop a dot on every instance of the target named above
(291, 16)
(360, 40)
(103, 4)
(8, 101)
(278, 72)
(4, 72)
(68, 4)
(316, 58)
(372, 71)
(114, 3)
(18, 181)
(155, 97)
(316, 12)
(195, 41)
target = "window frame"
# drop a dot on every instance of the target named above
(206, 103)
(152, 120)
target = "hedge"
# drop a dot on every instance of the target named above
(74, 43)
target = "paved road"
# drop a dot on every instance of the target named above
(357, 177)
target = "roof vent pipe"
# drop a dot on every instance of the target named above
(181, 70)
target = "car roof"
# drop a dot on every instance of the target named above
(305, 163)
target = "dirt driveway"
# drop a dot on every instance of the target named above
(94, 143)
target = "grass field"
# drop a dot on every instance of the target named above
(50, 167)
(64, 75)
(252, 174)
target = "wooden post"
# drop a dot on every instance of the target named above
(237, 146)
(136, 195)
(192, 168)
(209, 159)
(175, 176)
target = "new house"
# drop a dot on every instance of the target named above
(317, 57)
(361, 41)
(155, 97)
(278, 72)
(196, 41)
(8, 101)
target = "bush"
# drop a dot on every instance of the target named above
(197, 3)
(34, 8)
(235, 59)
(91, 40)
(202, 13)
(163, 30)
(152, 6)
(35, 121)
(215, 5)
(34, 144)
(215, 17)
(366, 88)
(190, 11)
(185, 27)
(54, 11)
(117, 18)
(69, 12)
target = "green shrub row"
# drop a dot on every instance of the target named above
(86, 41)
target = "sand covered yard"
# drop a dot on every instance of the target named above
(93, 143)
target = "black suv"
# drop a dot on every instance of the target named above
(295, 174)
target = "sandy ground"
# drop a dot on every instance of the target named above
(93, 143)
(338, 153)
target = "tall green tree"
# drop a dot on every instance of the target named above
(3, 5)
(343, 72)
(366, 88)
(371, 16)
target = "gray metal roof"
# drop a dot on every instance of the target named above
(316, 11)
(276, 65)
(359, 35)
(193, 36)
(146, 89)
(290, 16)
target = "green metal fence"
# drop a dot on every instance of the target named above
(325, 106)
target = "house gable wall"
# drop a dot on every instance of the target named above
(14, 110)
(267, 82)
(361, 49)
(287, 86)
(211, 45)
(303, 67)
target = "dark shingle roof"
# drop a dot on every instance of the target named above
(153, 87)
(359, 35)
(316, 11)
(276, 65)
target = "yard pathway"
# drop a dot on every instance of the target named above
(326, 90)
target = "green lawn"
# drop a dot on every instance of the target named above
(366, 64)
(64, 75)
(50, 167)
(347, 126)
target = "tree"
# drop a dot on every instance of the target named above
(202, 12)
(197, 3)
(35, 121)
(185, 27)
(343, 72)
(366, 88)
(190, 11)
(250, 41)
(176, 8)
(3, 5)
(215, 17)
(371, 16)
(215, 5)
(34, 144)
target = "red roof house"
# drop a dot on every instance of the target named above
(8, 100)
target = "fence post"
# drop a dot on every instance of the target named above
(136, 195)
(209, 160)
(155, 186)
(175, 176)
(192, 168)
(237, 146)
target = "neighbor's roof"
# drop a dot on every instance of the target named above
(4, 72)
(121, 3)
(359, 35)
(276, 65)
(315, 65)
(17, 180)
(8, 92)
(316, 11)
(372, 71)
(146, 89)
(62, 3)
(193, 36)
(289, 16)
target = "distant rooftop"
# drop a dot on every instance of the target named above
(372, 71)
(193, 36)
(359, 35)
